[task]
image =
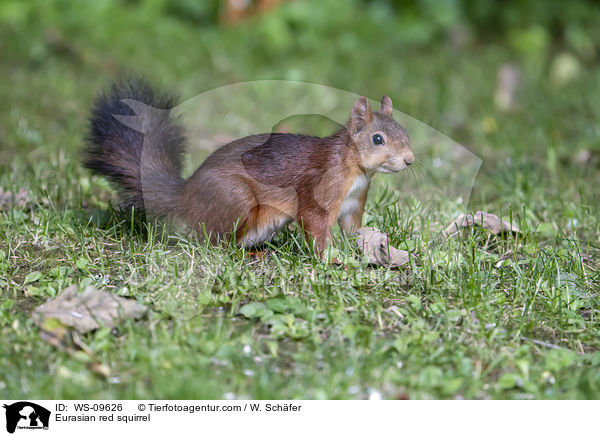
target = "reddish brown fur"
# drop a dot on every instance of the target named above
(266, 181)
(259, 183)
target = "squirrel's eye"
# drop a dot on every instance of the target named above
(378, 139)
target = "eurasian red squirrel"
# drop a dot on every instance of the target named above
(252, 186)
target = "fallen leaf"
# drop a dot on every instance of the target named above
(100, 369)
(56, 334)
(87, 310)
(486, 220)
(68, 340)
(374, 244)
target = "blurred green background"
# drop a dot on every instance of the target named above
(515, 82)
(439, 60)
(507, 80)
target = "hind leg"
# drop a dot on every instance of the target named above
(260, 224)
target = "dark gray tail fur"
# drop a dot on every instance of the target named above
(134, 142)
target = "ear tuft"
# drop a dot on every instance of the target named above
(386, 106)
(361, 113)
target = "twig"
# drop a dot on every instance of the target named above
(544, 344)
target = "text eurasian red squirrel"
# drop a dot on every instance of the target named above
(252, 186)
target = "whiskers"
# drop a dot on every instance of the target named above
(415, 177)
(419, 175)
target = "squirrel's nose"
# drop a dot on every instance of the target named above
(409, 158)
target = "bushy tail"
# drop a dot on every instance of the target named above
(134, 142)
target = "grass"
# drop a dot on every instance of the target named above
(477, 317)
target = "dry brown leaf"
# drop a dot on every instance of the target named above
(374, 243)
(486, 220)
(56, 334)
(68, 340)
(87, 310)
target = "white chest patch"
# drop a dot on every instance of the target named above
(351, 202)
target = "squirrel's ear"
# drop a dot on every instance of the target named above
(361, 113)
(386, 106)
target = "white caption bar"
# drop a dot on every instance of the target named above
(88, 418)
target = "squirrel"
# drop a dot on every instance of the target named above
(250, 187)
